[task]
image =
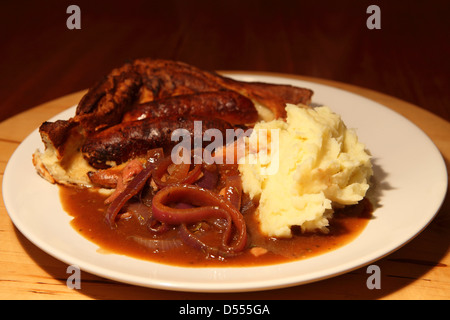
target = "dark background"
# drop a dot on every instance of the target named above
(40, 59)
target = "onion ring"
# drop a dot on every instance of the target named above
(208, 204)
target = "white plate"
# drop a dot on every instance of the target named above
(411, 183)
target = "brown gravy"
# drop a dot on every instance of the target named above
(87, 209)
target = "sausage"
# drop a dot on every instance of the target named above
(132, 139)
(143, 80)
(226, 105)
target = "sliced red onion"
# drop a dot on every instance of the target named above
(131, 190)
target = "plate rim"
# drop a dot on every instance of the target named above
(185, 287)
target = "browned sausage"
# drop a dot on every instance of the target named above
(226, 105)
(132, 139)
(144, 80)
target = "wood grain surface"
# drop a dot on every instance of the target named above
(418, 270)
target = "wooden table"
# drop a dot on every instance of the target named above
(418, 270)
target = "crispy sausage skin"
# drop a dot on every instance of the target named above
(132, 139)
(144, 80)
(226, 105)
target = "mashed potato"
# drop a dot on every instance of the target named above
(308, 165)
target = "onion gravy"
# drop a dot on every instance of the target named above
(88, 209)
